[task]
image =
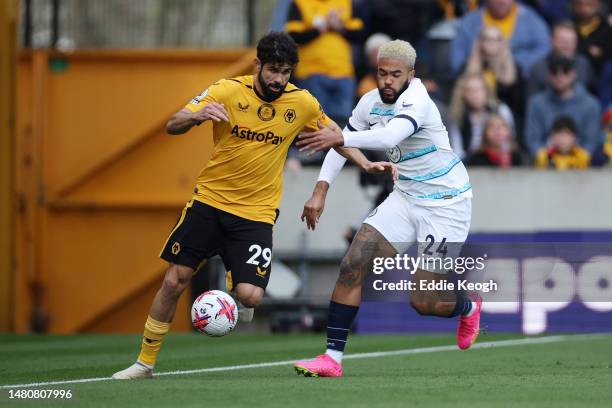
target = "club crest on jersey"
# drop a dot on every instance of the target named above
(394, 154)
(242, 108)
(266, 112)
(176, 248)
(289, 115)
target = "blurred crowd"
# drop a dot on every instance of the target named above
(518, 83)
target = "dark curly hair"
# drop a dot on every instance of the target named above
(564, 123)
(277, 48)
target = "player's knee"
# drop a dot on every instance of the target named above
(176, 280)
(252, 300)
(423, 307)
(249, 295)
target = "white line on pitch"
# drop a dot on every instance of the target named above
(489, 344)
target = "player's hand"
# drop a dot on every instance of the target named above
(381, 167)
(212, 111)
(313, 210)
(324, 138)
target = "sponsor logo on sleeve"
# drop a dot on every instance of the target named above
(200, 97)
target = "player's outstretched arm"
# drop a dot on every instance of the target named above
(356, 156)
(376, 139)
(351, 153)
(333, 163)
(184, 119)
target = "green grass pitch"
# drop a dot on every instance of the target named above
(573, 371)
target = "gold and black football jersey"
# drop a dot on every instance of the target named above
(244, 176)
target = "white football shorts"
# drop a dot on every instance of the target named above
(439, 231)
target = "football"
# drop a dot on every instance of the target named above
(214, 313)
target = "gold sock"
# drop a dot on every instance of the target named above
(152, 340)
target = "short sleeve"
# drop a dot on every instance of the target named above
(359, 117)
(318, 115)
(213, 93)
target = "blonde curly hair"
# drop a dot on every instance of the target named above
(399, 50)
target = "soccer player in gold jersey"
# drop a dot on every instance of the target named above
(234, 207)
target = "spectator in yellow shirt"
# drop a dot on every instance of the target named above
(563, 151)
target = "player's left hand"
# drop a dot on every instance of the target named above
(313, 210)
(324, 138)
(381, 167)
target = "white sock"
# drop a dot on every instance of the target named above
(335, 354)
(472, 310)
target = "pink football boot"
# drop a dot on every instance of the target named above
(467, 331)
(322, 366)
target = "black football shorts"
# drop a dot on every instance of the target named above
(203, 231)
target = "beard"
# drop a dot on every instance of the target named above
(268, 92)
(389, 100)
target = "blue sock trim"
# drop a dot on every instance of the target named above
(339, 320)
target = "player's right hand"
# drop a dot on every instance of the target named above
(313, 210)
(381, 167)
(212, 111)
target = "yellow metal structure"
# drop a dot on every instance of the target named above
(99, 182)
(8, 43)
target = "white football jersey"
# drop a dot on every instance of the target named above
(430, 172)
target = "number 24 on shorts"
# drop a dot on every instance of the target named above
(442, 249)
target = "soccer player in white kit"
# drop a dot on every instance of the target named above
(430, 203)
